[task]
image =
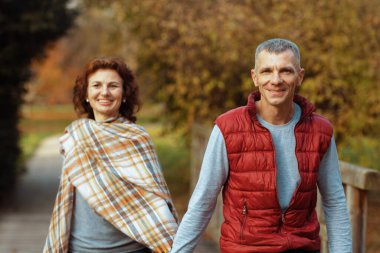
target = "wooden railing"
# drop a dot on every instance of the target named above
(362, 188)
(358, 183)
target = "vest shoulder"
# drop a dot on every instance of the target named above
(235, 120)
(321, 121)
(316, 122)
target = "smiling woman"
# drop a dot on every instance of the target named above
(105, 89)
(105, 93)
(112, 195)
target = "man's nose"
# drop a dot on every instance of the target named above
(276, 78)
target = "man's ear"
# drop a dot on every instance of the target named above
(254, 77)
(301, 74)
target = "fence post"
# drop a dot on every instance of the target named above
(356, 202)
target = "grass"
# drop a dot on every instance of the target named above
(174, 158)
(363, 151)
(39, 122)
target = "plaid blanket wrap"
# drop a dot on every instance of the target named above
(114, 167)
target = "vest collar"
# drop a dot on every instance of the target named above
(306, 107)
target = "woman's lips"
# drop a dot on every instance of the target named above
(104, 101)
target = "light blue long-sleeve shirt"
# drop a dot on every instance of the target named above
(214, 173)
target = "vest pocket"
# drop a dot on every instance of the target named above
(244, 212)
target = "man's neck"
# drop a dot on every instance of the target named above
(275, 115)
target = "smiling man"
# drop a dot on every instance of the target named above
(270, 157)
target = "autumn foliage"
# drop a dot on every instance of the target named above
(198, 54)
(195, 56)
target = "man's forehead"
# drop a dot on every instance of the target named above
(286, 57)
(268, 53)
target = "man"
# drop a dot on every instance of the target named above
(269, 156)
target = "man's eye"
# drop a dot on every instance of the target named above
(287, 71)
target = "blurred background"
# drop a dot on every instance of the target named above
(192, 60)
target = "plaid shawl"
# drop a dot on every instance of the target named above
(114, 167)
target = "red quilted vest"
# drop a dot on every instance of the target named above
(253, 220)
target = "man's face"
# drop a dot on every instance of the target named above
(277, 76)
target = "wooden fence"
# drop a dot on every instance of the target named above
(362, 188)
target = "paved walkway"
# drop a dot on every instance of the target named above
(24, 219)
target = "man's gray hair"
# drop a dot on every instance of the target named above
(278, 46)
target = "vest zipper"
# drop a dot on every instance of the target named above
(244, 212)
(294, 193)
(276, 192)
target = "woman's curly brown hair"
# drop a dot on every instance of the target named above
(130, 88)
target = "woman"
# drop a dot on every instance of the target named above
(112, 196)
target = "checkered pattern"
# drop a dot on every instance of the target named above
(114, 167)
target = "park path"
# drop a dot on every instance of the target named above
(25, 217)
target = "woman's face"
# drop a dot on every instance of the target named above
(105, 93)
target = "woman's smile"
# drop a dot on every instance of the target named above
(105, 93)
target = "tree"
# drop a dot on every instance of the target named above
(94, 35)
(27, 27)
(196, 55)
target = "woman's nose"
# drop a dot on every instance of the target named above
(104, 90)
